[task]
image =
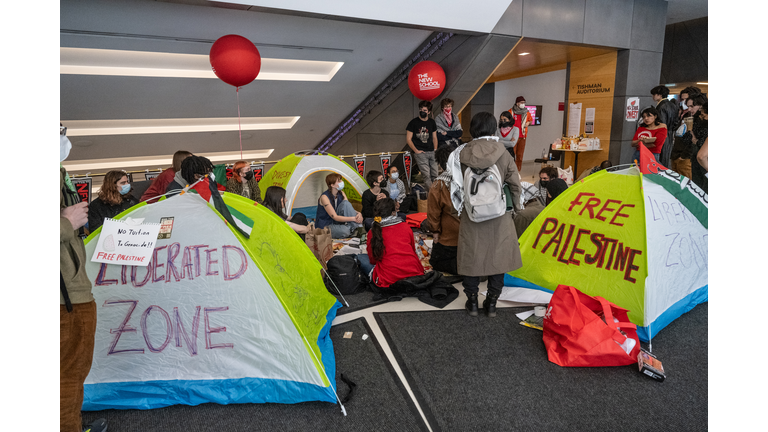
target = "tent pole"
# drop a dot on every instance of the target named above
(343, 410)
(337, 288)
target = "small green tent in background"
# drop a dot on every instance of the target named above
(303, 178)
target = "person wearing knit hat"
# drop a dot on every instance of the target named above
(522, 119)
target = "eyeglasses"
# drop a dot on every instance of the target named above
(63, 130)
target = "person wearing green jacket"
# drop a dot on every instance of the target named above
(77, 311)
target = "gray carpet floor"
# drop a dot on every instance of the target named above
(379, 402)
(481, 374)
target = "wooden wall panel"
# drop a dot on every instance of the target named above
(591, 83)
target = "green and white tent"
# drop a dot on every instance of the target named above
(303, 178)
(215, 316)
(637, 240)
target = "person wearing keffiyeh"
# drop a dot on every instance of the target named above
(449, 130)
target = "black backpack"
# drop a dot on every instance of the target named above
(345, 275)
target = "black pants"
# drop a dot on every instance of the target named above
(299, 219)
(443, 258)
(471, 284)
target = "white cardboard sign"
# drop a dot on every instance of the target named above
(128, 242)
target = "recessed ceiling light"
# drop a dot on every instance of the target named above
(702, 83)
(185, 125)
(523, 54)
(86, 61)
(160, 161)
(669, 85)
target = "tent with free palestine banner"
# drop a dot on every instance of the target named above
(216, 316)
(637, 240)
(303, 178)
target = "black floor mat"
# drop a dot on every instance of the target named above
(483, 374)
(379, 403)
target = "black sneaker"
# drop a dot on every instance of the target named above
(99, 425)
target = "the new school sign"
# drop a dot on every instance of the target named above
(639, 241)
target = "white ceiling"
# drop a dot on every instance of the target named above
(370, 49)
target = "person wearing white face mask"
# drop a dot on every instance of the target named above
(335, 211)
(77, 310)
(448, 126)
(522, 119)
(396, 188)
(114, 198)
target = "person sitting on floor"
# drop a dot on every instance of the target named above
(391, 248)
(335, 211)
(243, 182)
(193, 168)
(396, 188)
(555, 187)
(274, 199)
(377, 192)
(114, 198)
(547, 174)
(442, 217)
(589, 171)
(160, 183)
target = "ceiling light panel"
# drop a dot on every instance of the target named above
(159, 160)
(185, 125)
(87, 61)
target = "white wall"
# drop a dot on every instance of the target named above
(547, 90)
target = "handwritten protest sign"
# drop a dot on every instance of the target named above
(126, 242)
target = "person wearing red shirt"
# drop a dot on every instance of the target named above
(652, 134)
(161, 182)
(391, 247)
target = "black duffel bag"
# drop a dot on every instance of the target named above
(345, 275)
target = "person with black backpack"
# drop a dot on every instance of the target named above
(487, 239)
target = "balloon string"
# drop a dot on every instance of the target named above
(240, 131)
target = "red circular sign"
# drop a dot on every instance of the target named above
(426, 80)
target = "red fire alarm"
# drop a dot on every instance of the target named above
(561, 106)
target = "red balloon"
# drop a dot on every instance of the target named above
(426, 80)
(235, 60)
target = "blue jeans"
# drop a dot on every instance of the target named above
(344, 230)
(365, 265)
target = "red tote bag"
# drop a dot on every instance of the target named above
(575, 334)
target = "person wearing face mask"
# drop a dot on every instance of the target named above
(448, 126)
(507, 132)
(396, 189)
(335, 211)
(547, 174)
(274, 199)
(421, 137)
(77, 310)
(243, 183)
(522, 119)
(114, 198)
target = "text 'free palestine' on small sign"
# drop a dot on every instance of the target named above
(128, 242)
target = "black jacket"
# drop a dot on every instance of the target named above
(668, 113)
(98, 210)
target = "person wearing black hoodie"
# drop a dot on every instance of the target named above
(554, 188)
